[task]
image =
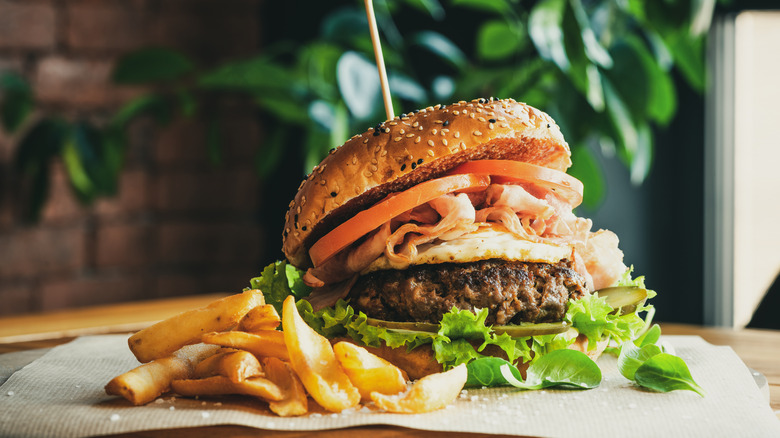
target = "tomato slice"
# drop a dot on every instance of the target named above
(368, 220)
(566, 186)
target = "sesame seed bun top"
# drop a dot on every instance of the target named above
(412, 148)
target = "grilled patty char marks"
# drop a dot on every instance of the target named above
(513, 292)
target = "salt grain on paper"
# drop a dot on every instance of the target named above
(10, 393)
(205, 414)
(115, 417)
(171, 408)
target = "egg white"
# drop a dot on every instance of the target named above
(483, 244)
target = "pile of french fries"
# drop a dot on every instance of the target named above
(232, 346)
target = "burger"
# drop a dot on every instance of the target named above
(447, 234)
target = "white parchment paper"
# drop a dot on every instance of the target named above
(61, 395)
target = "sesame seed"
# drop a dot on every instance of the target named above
(457, 134)
(430, 142)
(416, 124)
(374, 161)
(430, 152)
(478, 133)
(414, 165)
(456, 113)
(376, 133)
(333, 194)
(367, 174)
(434, 131)
(548, 126)
(409, 135)
(492, 120)
(374, 168)
(384, 152)
(402, 132)
(403, 167)
(365, 141)
(397, 139)
(418, 139)
(354, 159)
(446, 122)
(303, 200)
(481, 119)
(392, 124)
(420, 161)
(471, 115)
(505, 125)
(490, 126)
(322, 182)
(444, 141)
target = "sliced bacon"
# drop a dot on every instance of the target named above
(603, 259)
(328, 295)
(347, 263)
(457, 218)
(519, 200)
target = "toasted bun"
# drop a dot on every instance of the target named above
(410, 149)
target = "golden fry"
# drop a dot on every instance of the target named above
(312, 358)
(221, 385)
(165, 337)
(427, 394)
(368, 372)
(148, 381)
(260, 318)
(264, 343)
(294, 400)
(239, 366)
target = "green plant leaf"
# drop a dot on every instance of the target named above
(585, 168)
(91, 167)
(150, 104)
(152, 65)
(359, 84)
(407, 88)
(623, 124)
(642, 158)
(665, 372)
(593, 48)
(33, 157)
(545, 24)
(343, 25)
(441, 46)
(499, 7)
(270, 151)
(496, 39)
(688, 56)
(568, 368)
(257, 74)
(16, 101)
(432, 7)
(632, 357)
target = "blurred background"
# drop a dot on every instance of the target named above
(150, 148)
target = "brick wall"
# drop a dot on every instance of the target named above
(179, 225)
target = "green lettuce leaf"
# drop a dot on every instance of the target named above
(277, 281)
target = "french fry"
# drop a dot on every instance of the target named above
(427, 394)
(264, 343)
(260, 318)
(210, 366)
(236, 365)
(294, 400)
(148, 381)
(239, 366)
(165, 337)
(368, 372)
(221, 385)
(312, 358)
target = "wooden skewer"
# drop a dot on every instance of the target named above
(380, 60)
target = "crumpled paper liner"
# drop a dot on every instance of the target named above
(61, 395)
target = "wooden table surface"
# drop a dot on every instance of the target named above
(759, 349)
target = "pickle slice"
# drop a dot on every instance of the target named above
(625, 298)
(514, 330)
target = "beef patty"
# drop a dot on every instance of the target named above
(513, 292)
